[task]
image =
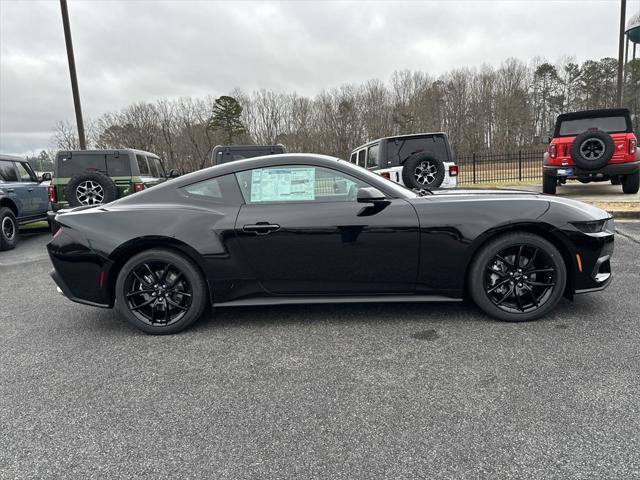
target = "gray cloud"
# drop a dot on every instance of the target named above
(135, 50)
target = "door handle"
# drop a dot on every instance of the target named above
(261, 228)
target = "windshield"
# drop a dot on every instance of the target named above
(606, 124)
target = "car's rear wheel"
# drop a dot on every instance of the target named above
(8, 229)
(517, 277)
(615, 180)
(631, 183)
(549, 184)
(160, 292)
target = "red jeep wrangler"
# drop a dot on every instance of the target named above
(593, 146)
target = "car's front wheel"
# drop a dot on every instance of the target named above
(517, 277)
(160, 292)
(8, 229)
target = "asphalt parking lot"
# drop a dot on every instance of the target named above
(345, 391)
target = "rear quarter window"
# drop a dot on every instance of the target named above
(118, 166)
(8, 172)
(222, 190)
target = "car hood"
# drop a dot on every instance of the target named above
(581, 210)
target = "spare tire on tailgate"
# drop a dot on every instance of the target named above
(90, 188)
(422, 170)
(592, 150)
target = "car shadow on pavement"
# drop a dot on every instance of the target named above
(422, 315)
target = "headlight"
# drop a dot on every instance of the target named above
(595, 226)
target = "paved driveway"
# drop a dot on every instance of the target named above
(350, 391)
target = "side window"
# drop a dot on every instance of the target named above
(353, 158)
(153, 167)
(297, 183)
(23, 173)
(372, 157)
(8, 172)
(217, 190)
(361, 156)
(142, 165)
(159, 166)
(118, 166)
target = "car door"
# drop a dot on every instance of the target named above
(34, 196)
(303, 232)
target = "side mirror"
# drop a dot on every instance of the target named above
(370, 195)
(45, 177)
(545, 139)
(173, 173)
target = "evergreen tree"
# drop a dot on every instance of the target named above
(225, 118)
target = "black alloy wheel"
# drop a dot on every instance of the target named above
(160, 291)
(517, 277)
(520, 278)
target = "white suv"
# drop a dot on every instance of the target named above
(421, 160)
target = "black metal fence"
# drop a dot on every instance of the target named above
(489, 167)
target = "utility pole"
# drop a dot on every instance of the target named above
(72, 73)
(623, 11)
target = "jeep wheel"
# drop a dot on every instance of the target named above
(8, 229)
(592, 150)
(422, 171)
(90, 188)
(631, 183)
(616, 180)
(549, 184)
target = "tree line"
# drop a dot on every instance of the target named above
(486, 109)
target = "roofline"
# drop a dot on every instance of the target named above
(108, 150)
(396, 136)
(12, 158)
(595, 113)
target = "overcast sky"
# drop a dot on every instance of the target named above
(134, 50)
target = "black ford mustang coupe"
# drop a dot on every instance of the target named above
(301, 228)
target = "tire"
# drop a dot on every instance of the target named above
(90, 188)
(592, 150)
(631, 183)
(547, 291)
(8, 229)
(584, 180)
(141, 309)
(549, 184)
(615, 180)
(422, 171)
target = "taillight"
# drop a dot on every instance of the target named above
(553, 151)
(138, 187)
(633, 146)
(453, 171)
(51, 191)
(385, 175)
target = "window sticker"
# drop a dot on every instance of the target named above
(282, 184)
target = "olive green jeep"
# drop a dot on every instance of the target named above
(93, 177)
